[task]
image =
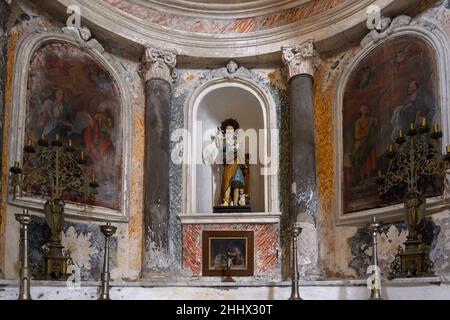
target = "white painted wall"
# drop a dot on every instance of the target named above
(215, 107)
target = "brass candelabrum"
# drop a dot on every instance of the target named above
(417, 155)
(295, 277)
(53, 169)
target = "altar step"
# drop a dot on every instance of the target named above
(400, 289)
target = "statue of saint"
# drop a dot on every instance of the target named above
(54, 212)
(233, 176)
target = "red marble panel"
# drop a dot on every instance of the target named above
(266, 246)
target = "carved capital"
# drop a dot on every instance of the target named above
(299, 59)
(159, 64)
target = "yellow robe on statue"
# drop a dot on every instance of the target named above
(229, 170)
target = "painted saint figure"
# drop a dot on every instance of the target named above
(364, 154)
(418, 105)
(55, 117)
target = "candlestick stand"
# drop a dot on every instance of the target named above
(25, 273)
(295, 277)
(108, 230)
(375, 291)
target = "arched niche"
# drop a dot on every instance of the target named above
(209, 105)
(403, 39)
(102, 69)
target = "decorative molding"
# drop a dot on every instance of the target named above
(80, 38)
(430, 32)
(300, 58)
(324, 28)
(159, 64)
(385, 29)
(84, 39)
(230, 218)
(229, 76)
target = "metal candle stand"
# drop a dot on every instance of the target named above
(108, 230)
(375, 292)
(25, 273)
(418, 154)
(295, 295)
(56, 169)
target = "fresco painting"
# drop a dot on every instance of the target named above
(71, 95)
(394, 86)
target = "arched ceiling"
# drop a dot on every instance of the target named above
(220, 17)
(220, 8)
(224, 29)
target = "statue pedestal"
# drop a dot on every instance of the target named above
(231, 209)
(413, 261)
(266, 231)
(55, 263)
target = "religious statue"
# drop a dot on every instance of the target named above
(54, 213)
(234, 191)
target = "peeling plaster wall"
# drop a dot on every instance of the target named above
(83, 237)
(344, 251)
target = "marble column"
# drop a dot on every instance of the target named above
(299, 60)
(158, 74)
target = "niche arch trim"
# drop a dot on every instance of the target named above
(245, 80)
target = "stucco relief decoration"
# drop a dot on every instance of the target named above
(232, 67)
(191, 80)
(385, 28)
(159, 64)
(83, 37)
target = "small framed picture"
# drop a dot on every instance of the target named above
(228, 253)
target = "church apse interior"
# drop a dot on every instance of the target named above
(209, 149)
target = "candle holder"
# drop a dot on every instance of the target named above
(54, 170)
(375, 291)
(108, 230)
(295, 276)
(25, 273)
(415, 157)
